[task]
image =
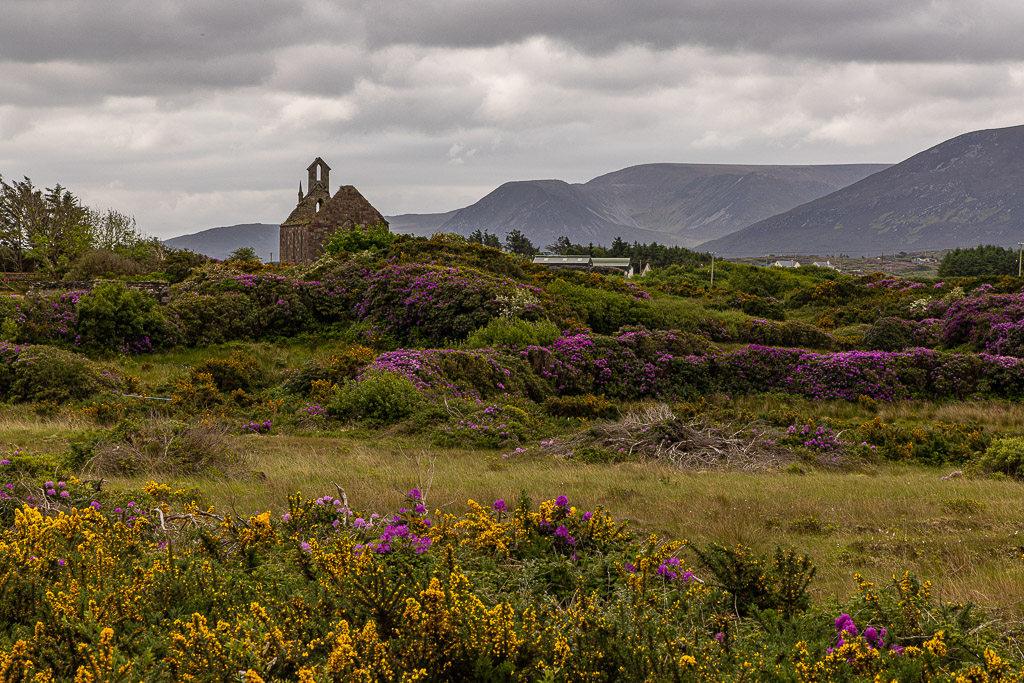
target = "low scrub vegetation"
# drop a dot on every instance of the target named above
(690, 408)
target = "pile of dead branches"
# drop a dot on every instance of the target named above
(651, 431)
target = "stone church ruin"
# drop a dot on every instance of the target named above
(318, 215)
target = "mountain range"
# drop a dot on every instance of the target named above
(961, 193)
(680, 204)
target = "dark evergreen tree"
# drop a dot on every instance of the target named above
(518, 243)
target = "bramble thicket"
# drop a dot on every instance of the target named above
(448, 345)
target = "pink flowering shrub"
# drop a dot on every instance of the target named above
(457, 373)
(221, 304)
(428, 304)
(974, 319)
(108, 318)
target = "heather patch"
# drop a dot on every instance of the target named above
(421, 303)
(221, 304)
(454, 373)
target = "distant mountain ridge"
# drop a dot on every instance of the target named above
(962, 192)
(683, 204)
(219, 242)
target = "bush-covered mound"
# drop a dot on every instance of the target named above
(43, 373)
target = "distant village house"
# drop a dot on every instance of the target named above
(318, 215)
(786, 264)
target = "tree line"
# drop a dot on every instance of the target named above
(981, 260)
(50, 231)
(658, 255)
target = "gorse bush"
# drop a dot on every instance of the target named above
(587, 406)
(333, 367)
(238, 371)
(789, 333)
(326, 592)
(378, 397)
(759, 583)
(462, 374)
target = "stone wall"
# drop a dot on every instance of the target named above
(155, 288)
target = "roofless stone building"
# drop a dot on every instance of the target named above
(318, 215)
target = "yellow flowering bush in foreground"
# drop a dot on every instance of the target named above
(162, 588)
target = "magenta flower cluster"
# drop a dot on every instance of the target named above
(874, 637)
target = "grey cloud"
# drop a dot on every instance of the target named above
(69, 84)
(116, 30)
(870, 30)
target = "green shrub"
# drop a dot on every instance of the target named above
(599, 456)
(791, 333)
(211, 318)
(889, 334)
(359, 238)
(605, 311)
(103, 263)
(962, 506)
(112, 316)
(586, 406)
(179, 263)
(44, 373)
(763, 307)
(513, 332)
(1005, 455)
(379, 398)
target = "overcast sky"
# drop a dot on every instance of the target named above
(191, 114)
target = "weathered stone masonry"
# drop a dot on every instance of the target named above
(318, 215)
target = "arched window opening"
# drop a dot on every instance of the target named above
(319, 168)
(319, 205)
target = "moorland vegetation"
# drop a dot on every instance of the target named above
(822, 472)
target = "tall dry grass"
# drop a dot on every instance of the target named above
(880, 523)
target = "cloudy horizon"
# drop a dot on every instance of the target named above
(190, 115)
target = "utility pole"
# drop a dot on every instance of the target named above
(712, 269)
(1020, 251)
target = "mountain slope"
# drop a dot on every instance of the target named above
(962, 192)
(219, 242)
(669, 203)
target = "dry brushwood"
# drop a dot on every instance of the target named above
(168, 449)
(651, 431)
